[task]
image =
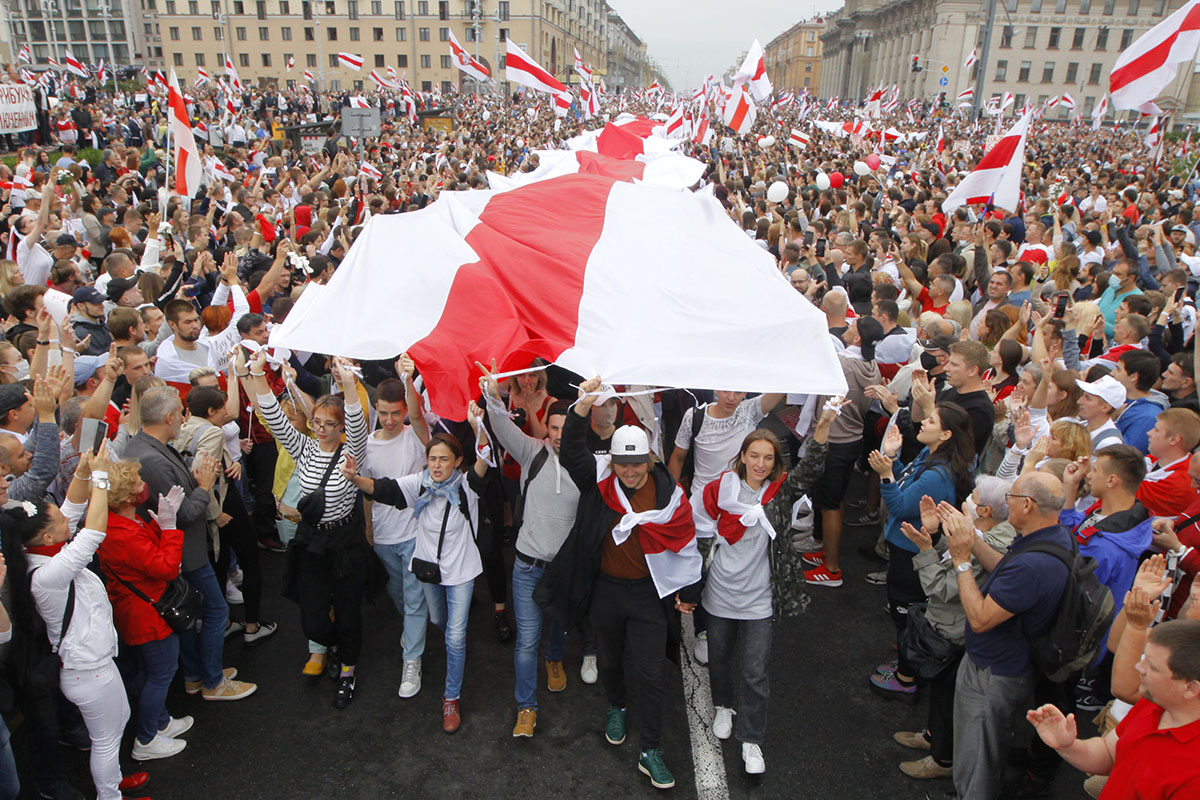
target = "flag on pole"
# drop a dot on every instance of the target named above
(232, 74)
(101, 73)
(186, 155)
(350, 61)
(1154, 136)
(463, 60)
(753, 73)
(972, 57)
(966, 95)
(202, 77)
(996, 179)
(798, 139)
(703, 134)
(308, 76)
(520, 68)
(740, 112)
(1099, 112)
(562, 103)
(1148, 66)
(369, 171)
(25, 54)
(583, 70)
(382, 82)
(200, 130)
(291, 62)
(358, 101)
(941, 140)
(1068, 101)
(222, 172)
(73, 66)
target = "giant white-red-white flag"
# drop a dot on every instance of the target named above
(740, 111)
(1147, 66)
(753, 73)
(996, 179)
(476, 271)
(520, 68)
(463, 60)
(186, 155)
(670, 170)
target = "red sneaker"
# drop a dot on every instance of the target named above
(135, 781)
(451, 715)
(821, 576)
(816, 559)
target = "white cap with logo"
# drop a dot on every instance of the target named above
(1106, 388)
(630, 445)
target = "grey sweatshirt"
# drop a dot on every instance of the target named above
(552, 499)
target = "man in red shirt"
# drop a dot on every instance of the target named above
(1152, 754)
(1167, 490)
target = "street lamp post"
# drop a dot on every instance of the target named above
(48, 7)
(106, 12)
(320, 50)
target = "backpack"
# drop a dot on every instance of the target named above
(518, 503)
(1084, 616)
(699, 412)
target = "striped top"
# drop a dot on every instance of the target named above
(312, 462)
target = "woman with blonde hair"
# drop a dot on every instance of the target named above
(10, 276)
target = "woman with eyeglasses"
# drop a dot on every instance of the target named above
(329, 557)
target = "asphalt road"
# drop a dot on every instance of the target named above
(828, 735)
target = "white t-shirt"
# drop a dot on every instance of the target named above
(460, 560)
(34, 262)
(718, 441)
(394, 458)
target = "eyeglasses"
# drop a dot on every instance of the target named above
(1008, 495)
(318, 425)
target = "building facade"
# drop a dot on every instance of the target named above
(1039, 48)
(122, 32)
(411, 36)
(793, 58)
(627, 59)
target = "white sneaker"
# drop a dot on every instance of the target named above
(177, 727)
(233, 595)
(752, 757)
(805, 542)
(723, 722)
(700, 648)
(236, 576)
(410, 681)
(588, 673)
(159, 747)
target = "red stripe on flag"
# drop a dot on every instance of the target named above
(514, 316)
(999, 156)
(181, 168)
(1153, 58)
(619, 168)
(617, 141)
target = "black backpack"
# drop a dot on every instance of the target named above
(699, 412)
(1084, 616)
(518, 503)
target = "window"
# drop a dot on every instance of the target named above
(808, 51)
(379, 60)
(1060, 6)
(1159, 7)
(1023, 74)
(1055, 35)
(1035, 7)
(1048, 72)
(309, 35)
(264, 34)
(1085, 6)
(1109, 7)
(423, 8)
(423, 34)
(807, 81)
(199, 59)
(1102, 38)
(310, 60)
(1019, 101)
(285, 8)
(444, 62)
(425, 62)
(1001, 70)
(808, 66)
(402, 61)
(266, 59)
(196, 34)
(218, 33)
(358, 86)
(504, 10)
(239, 7)
(426, 86)
(285, 33)
(1077, 40)
(401, 34)
(1094, 74)
(287, 58)
(243, 59)
(443, 34)
(1072, 72)
(330, 8)
(193, 6)
(504, 34)
(240, 33)
(1031, 37)
(177, 58)
(1006, 37)
(216, 8)
(354, 34)
(1126, 37)
(331, 34)
(399, 9)
(333, 60)
(1042, 98)
(174, 33)
(1011, 5)
(377, 34)
(443, 10)
(1133, 7)
(260, 9)
(376, 8)
(470, 31)
(335, 84)
(171, 7)
(445, 86)
(352, 7)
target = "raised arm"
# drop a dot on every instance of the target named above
(413, 399)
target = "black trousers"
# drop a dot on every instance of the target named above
(239, 535)
(631, 612)
(320, 591)
(903, 585)
(259, 471)
(941, 713)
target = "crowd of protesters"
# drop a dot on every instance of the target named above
(1022, 386)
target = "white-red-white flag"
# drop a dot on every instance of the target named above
(382, 82)
(200, 130)
(368, 171)
(1099, 112)
(972, 57)
(753, 73)
(798, 139)
(74, 66)
(186, 155)
(1068, 101)
(350, 61)
(941, 140)
(703, 134)
(562, 103)
(291, 63)
(231, 74)
(520, 68)
(202, 77)
(740, 111)
(101, 73)
(965, 96)
(996, 179)
(308, 76)
(1148, 66)
(358, 101)
(222, 172)
(25, 54)
(464, 61)
(582, 69)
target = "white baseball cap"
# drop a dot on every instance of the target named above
(1107, 389)
(630, 445)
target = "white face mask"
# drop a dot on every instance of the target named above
(971, 509)
(19, 369)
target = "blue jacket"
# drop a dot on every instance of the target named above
(1136, 421)
(903, 496)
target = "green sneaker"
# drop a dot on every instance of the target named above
(651, 763)
(614, 726)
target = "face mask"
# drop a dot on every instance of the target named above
(1114, 282)
(19, 369)
(605, 415)
(971, 508)
(928, 361)
(143, 495)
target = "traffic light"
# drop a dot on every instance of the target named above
(916, 64)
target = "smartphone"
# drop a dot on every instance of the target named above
(808, 238)
(92, 433)
(820, 248)
(1179, 294)
(1060, 306)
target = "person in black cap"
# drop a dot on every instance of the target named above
(124, 292)
(66, 248)
(88, 320)
(16, 412)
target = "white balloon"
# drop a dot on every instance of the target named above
(520, 143)
(487, 115)
(777, 192)
(768, 141)
(822, 181)
(861, 168)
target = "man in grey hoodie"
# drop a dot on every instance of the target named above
(549, 499)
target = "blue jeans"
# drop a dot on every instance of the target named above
(159, 661)
(10, 785)
(202, 654)
(529, 633)
(448, 607)
(407, 593)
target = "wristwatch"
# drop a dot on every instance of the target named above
(963, 567)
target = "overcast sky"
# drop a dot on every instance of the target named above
(691, 38)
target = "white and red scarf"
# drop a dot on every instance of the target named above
(725, 514)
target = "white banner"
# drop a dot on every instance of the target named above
(17, 110)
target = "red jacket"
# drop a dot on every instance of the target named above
(148, 558)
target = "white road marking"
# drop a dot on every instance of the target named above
(697, 699)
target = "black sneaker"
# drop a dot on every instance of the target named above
(345, 692)
(504, 631)
(76, 738)
(1089, 702)
(333, 667)
(863, 519)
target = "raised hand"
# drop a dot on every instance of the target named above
(930, 520)
(1140, 609)
(1056, 730)
(917, 536)
(892, 441)
(488, 384)
(205, 470)
(880, 463)
(168, 508)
